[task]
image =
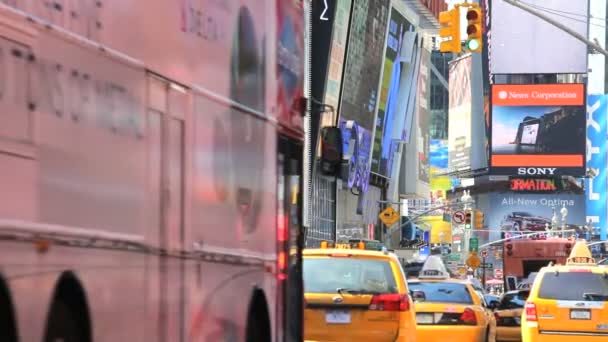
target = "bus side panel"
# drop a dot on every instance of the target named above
(233, 210)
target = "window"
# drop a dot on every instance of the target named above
(515, 300)
(327, 275)
(443, 292)
(580, 286)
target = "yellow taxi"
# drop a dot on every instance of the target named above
(449, 309)
(356, 293)
(508, 315)
(568, 302)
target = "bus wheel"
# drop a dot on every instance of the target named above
(62, 325)
(258, 325)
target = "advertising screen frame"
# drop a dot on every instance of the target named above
(539, 164)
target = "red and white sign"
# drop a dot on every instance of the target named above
(458, 217)
(484, 253)
(538, 94)
(497, 273)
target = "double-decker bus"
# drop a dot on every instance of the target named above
(150, 170)
(525, 256)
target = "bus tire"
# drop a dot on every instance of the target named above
(8, 323)
(258, 322)
(62, 325)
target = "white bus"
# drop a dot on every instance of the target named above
(150, 161)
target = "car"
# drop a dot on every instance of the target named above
(355, 293)
(568, 302)
(449, 309)
(507, 312)
(524, 221)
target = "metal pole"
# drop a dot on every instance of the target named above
(558, 25)
(483, 277)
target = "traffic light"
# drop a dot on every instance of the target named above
(473, 43)
(478, 219)
(450, 29)
(467, 220)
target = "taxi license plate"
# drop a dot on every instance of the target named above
(580, 314)
(337, 316)
(422, 318)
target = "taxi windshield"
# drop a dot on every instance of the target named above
(348, 275)
(438, 292)
(585, 286)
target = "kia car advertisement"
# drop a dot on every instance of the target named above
(538, 129)
(517, 213)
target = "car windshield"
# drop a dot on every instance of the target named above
(348, 275)
(436, 292)
(514, 300)
(579, 286)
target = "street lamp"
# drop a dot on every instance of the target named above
(564, 213)
(554, 220)
(466, 199)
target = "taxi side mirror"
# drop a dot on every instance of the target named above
(418, 296)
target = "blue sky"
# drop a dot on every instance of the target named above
(506, 119)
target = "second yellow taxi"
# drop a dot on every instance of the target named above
(449, 309)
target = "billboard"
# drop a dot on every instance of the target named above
(459, 114)
(438, 161)
(538, 129)
(424, 116)
(595, 187)
(389, 89)
(514, 212)
(525, 44)
(364, 62)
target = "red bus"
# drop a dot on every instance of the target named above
(521, 257)
(150, 167)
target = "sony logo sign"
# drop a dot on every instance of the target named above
(533, 171)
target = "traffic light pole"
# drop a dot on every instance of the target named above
(559, 25)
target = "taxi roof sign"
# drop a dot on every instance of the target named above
(580, 255)
(434, 268)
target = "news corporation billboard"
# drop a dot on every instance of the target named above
(538, 130)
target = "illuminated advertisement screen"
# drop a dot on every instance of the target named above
(538, 129)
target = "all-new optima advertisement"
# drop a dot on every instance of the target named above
(513, 212)
(538, 129)
(595, 187)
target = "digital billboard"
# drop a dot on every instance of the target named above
(538, 129)
(518, 212)
(595, 187)
(389, 90)
(459, 114)
(365, 51)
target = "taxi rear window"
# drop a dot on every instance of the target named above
(438, 292)
(351, 275)
(585, 286)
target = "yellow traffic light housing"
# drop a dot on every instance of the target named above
(479, 219)
(474, 42)
(467, 220)
(450, 29)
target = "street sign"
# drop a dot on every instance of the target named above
(498, 273)
(473, 261)
(454, 257)
(473, 245)
(389, 216)
(484, 253)
(487, 265)
(458, 217)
